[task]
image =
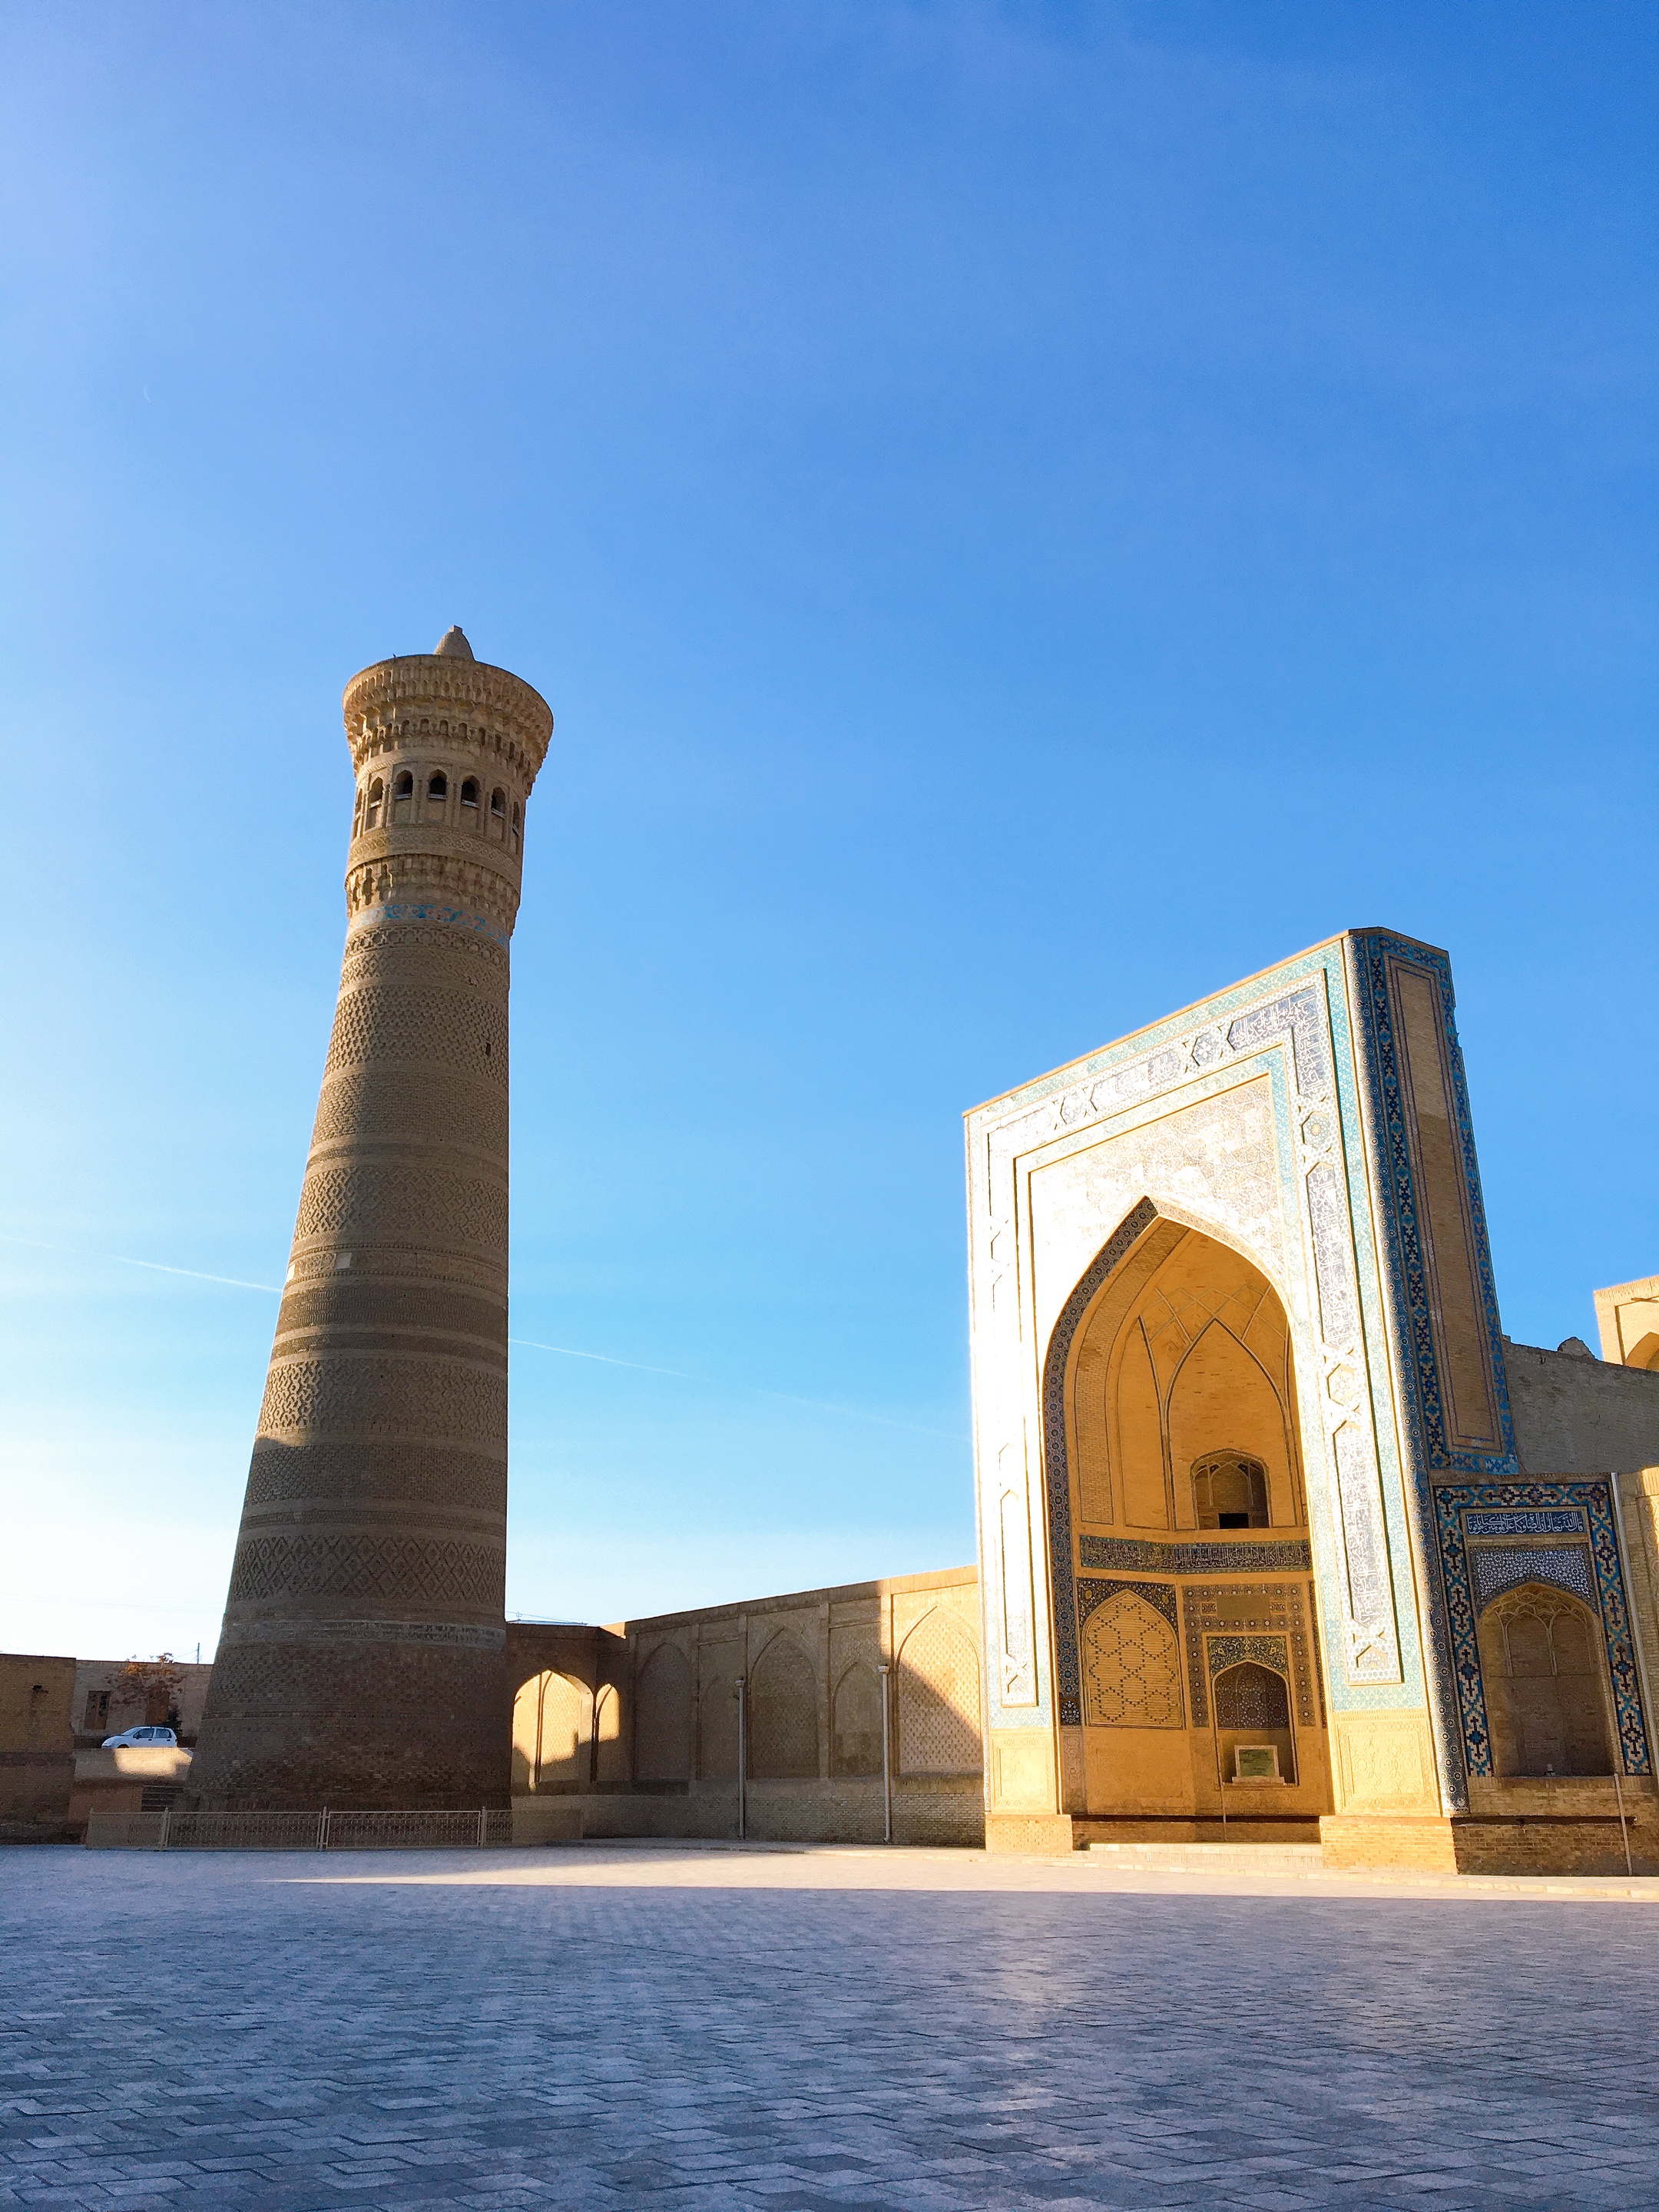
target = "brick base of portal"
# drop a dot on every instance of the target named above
(1484, 1844)
(1050, 1833)
(1122, 1828)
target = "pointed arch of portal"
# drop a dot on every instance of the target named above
(1104, 1281)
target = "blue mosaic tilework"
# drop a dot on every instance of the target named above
(1564, 1523)
(1594, 1498)
(1265, 1650)
(1296, 1015)
(431, 913)
(1069, 1688)
(1091, 1594)
(1402, 1232)
(1238, 1556)
(1567, 1566)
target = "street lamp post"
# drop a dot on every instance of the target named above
(886, 1759)
(741, 1686)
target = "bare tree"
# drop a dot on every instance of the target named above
(154, 1684)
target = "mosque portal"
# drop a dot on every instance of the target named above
(1199, 1694)
(1277, 1529)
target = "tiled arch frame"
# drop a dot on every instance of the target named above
(1544, 1509)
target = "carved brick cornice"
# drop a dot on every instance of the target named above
(404, 876)
(422, 852)
(488, 710)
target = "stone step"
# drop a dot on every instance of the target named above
(1211, 1858)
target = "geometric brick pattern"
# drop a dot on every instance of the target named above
(938, 1699)
(365, 1305)
(444, 1207)
(403, 1473)
(662, 1717)
(1131, 1665)
(857, 1722)
(464, 958)
(352, 1757)
(443, 1029)
(401, 1102)
(426, 1397)
(424, 1572)
(782, 1712)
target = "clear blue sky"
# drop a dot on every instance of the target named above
(1023, 515)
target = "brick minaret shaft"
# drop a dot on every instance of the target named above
(360, 1662)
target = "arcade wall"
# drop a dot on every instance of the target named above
(633, 1731)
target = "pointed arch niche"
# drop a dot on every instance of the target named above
(1180, 1393)
(1180, 1551)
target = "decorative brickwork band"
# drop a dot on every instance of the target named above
(437, 1572)
(434, 913)
(1236, 1555)
(458, 1633)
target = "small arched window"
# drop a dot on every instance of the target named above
(1230, 1491)
(1252, 1696)
(437, 788)
(470, 793)
(498, 813)
(403, 795)
(376, 797)
(357, 812)
(516, 825)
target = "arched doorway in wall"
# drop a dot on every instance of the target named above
(1542, 1663)
(1255, 1737)
(552, 1733)
(1182, 1567)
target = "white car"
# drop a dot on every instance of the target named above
(139, 1735)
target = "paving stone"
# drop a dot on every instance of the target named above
(808, 2031)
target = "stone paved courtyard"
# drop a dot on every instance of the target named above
(803, 2030)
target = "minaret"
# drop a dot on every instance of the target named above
(359, 1663)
